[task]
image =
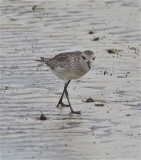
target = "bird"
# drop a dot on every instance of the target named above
(69, 66)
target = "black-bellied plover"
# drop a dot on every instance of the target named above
(68, 66)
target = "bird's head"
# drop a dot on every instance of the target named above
(87, 59)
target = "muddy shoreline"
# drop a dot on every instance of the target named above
(108, 96)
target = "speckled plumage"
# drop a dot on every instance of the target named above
(64, 60)
(69, 65)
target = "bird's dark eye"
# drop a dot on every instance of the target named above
(84, 57)
(94, 58)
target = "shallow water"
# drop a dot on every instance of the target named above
(104, 132)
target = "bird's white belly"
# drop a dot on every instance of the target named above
(68, 75)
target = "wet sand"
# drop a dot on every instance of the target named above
(109, 126)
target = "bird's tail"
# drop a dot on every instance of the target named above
(43, 60)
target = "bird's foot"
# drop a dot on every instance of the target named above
(75, 112)
(62, 104)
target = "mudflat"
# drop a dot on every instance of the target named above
(108, 96)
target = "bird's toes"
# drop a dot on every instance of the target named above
(62, 105)
(75, 112)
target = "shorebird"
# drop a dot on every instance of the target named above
(68, 66)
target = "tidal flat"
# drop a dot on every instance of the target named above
(108, 96)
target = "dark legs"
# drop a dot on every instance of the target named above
(67, 96)
(60, 101)
(72, 111)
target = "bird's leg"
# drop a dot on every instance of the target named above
(60, 101)
(72, 111)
